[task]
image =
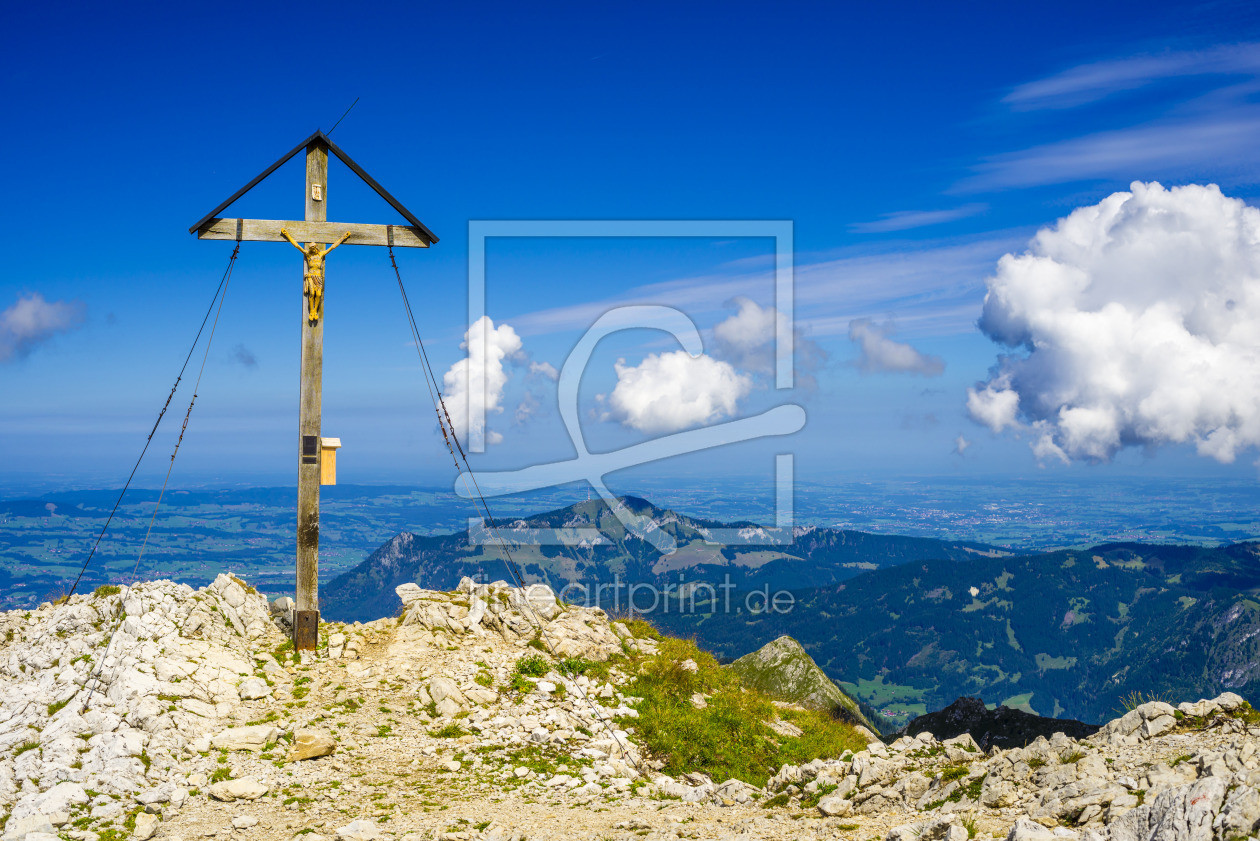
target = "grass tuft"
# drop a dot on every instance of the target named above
(574, 666)
(729, 737)
(642, 629)
(1247, 713)
(533, 665)
(247, 587)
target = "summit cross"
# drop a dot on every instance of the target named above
(315, 231)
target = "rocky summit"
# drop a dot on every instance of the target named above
(784, 670)
(490, 712)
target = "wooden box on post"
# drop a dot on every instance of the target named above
(328, 460)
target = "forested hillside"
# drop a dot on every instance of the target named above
(1065, 633)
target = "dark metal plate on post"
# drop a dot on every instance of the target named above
(305, 629)
(310, 449)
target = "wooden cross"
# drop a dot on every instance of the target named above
(315, 228)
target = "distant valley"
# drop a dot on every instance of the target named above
(891, 616)
(907, 624)
(1059, 634)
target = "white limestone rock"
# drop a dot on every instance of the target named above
(834, 806)
(253, 689)
(359, 830)
(1185, 813)
(253, 738)
(245, 788)
(944, 828)
(20, 829)
(311, 744)
(146, 826)
(1240, 816)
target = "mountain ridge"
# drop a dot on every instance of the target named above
(818, 555)
(1057, 633)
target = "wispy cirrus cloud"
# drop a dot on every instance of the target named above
(1222, 143)
(904, 220)
(1205, 131)
(933, 287)
(1088, 83)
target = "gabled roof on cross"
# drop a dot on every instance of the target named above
(321, 139)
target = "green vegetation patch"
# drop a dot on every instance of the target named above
(1248, 713)
(533, 665)
(573, 666)
(642, 629)
(728, 737)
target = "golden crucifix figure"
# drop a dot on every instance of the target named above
(313, 281)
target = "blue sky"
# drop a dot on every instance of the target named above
(910, 145)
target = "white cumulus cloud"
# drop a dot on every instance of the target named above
(883, 355)
(474, 384)
(545, 370)
(32, 321)
(668, 392)
(1132, 322)
(748, 340)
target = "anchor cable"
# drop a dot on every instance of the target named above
(187, 415)
(227, 274)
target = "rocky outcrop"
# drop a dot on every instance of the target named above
(513, 614)
(107, 693)
(1121, 785)
(454, 721)
(783, 669)
(1156, 718)
(1002, 727)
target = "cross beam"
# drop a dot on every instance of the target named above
(314, 228)
(268, 230)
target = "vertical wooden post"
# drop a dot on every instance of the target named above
(306, 617)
